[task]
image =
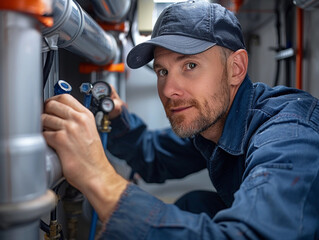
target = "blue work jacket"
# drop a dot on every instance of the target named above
(264, 167)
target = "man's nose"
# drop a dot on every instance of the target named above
(172, 87)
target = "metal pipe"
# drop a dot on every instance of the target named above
(24, 197)
(307, 4)
(80, 34)
(110, 10)
(53, 167)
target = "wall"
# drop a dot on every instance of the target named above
(261, 38)
(311, 52)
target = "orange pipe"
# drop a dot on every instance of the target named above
(37, 8)
(237, 4)
(120, 27)
(299, 55)
(89, 68)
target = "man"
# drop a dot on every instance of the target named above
(158, 156)
(260, 144)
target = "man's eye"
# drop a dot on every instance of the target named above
(190, 66)
(162, 72)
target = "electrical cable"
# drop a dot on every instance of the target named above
(93, 225)
(53, 216)
(47, 66)
(44, 227)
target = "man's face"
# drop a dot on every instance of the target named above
(193, 89)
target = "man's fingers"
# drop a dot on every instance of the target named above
(67, 100)
(65, 107)
(50, 138)
(52, 123)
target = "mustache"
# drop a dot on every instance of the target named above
(180, 102)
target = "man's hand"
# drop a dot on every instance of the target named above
(70, 129)
(118, 104)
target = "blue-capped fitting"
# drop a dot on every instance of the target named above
(62, 87)
(86, 88)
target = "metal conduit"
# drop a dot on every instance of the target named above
(24, 194)
(110, 10)
(80, 34)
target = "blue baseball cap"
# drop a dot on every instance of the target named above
(190, 28)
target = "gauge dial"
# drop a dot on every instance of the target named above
(101, 89)
(106, 105)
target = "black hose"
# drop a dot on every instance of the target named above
(44, 227)
(47, 67)
(53, 214)
(61, 235)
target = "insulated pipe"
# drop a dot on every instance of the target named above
(80, 34)
(24, 197)
(110, 10)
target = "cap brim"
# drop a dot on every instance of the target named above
(144, 52)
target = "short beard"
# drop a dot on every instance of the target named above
(207, 117)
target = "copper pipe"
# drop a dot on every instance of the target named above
(299, 55)
(236, 5)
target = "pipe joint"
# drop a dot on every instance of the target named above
(12, 214)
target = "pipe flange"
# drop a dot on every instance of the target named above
(27, 211)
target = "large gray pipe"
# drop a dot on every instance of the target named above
(80, 34)
(110, 10)
(53, 167)
(24, 194)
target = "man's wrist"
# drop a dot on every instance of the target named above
(104, 194)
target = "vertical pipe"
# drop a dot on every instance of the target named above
(299, 55)
(24, 197)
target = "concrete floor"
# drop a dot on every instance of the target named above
(171, 190)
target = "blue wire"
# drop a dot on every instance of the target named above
(93, 225)
(87, 100)
(103, 137)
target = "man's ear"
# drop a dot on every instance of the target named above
(238, 65)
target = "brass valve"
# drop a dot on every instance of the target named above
(55, 229)
(106, 124)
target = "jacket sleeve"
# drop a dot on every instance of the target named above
(276, 200)
(156, 155)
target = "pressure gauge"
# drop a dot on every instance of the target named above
(106, 105)
(101, 89)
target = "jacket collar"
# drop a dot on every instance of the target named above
(232, 139)
(235, 128)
